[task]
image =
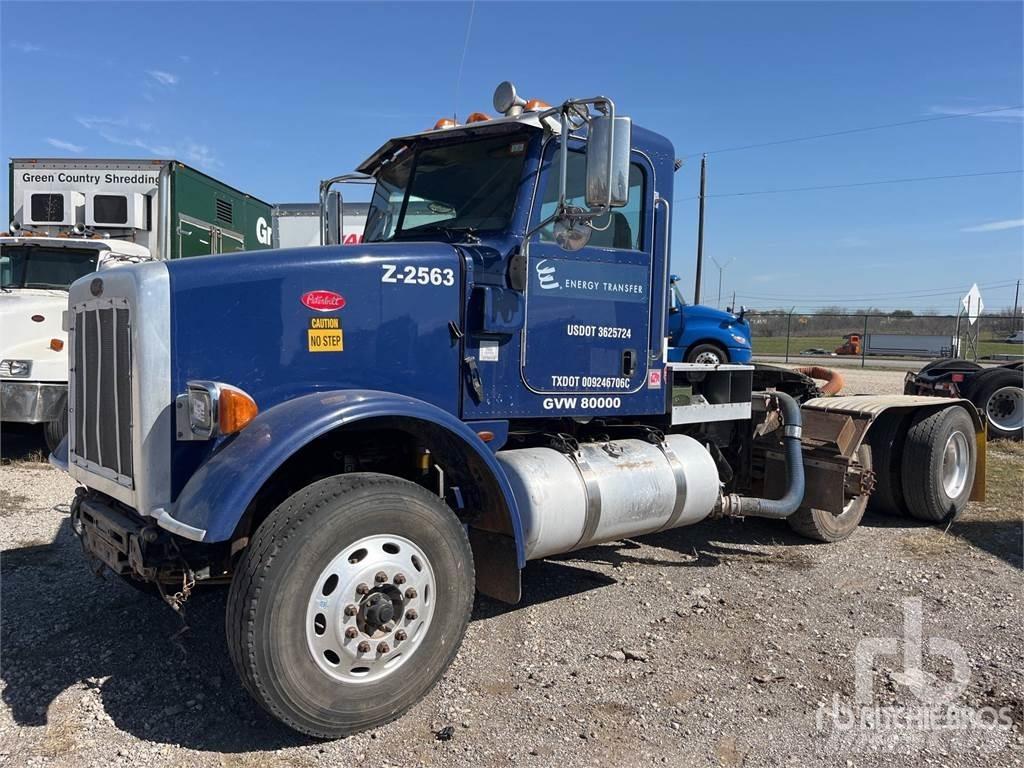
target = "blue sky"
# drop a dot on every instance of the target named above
(272, 97)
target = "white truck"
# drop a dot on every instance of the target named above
(297, 225)
(73, 216)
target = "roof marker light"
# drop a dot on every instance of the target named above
(536, 105)
(445, 122)
(478, 117)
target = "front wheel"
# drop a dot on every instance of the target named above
(350, 603)
(707, 354)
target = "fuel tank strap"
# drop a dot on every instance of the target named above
(680, 475)
(593, 518)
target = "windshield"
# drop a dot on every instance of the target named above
(32, 266)
(459, 187)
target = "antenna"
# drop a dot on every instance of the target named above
(462, 60)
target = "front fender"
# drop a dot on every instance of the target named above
(218, 494)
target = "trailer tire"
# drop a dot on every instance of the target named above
(707, 353)
(822, 525)
(999, 395)
(56, 430)
(886, 440)
(290, 607)
(938, 464)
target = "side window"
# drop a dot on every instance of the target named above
(622, 228)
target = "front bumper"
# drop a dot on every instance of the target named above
(32, 402)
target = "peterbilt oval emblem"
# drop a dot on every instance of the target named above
(323, 301)
(96, 287)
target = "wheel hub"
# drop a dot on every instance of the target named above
(356, 632)
(1005, 409)
(956, 459)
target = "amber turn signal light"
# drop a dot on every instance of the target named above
(56, 345)
(235, 409)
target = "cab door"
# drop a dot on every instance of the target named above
(588, 312)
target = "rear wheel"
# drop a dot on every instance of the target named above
(886, 441)
(350, 603)
(822, 525)
(938, 464)
(707, 354)
(999, 395)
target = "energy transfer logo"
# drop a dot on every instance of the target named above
(546, 276)
(934, 722)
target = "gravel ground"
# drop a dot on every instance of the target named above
(711, 645)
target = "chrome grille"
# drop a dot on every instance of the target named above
(101, 389)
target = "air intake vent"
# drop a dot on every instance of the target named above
(224, 211)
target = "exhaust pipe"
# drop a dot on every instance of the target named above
(734, 505)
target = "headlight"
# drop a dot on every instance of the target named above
(740, 338)
(20, 368)
(210, 408)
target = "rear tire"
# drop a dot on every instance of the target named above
(822, 525)
(938, 464)
(886, 440)
(999, 395)
(708, 354)
(306, 622)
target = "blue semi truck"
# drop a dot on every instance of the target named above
(357, 439)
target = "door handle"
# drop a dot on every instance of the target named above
(628, 362)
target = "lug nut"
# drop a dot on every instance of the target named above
(411, 614)
(400, 635)
(383, 648)
(362, 589)
(351, 633)
(351, 610)
(364, 647)
(381, 577)
(388, 627)
(410, 593)
(399, 578)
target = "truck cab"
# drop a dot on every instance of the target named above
(357, 438)
(706, 335)
(35, 275)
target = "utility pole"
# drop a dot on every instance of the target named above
(1016, 299)
(700, 229)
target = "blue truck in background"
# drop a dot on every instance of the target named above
(357, 439)
(702, 334)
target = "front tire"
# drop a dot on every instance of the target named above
(350, 603)
(56, 430)
(707, 354)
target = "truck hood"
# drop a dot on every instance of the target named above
(710, 314)
(25, 339)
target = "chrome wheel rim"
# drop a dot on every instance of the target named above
(370, 609)
(708, 358)
(1005, 409)
(956, 460)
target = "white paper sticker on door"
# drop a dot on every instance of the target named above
(488, 351)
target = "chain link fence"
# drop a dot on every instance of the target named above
(860, 337)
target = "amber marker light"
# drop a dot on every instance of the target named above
(235, 409)
(56, 345)
(444, 122)
(478, 117)
(536, 105)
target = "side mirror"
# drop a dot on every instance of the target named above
(608, 161)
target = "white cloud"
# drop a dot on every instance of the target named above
(125, 134)
(164, 78)
(67, 146)
(995, 226)
(26, 47)
(1012, 115)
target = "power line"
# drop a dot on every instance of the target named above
(910, 295)
(848, 131)
(857, 184)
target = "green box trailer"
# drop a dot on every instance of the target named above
(169, 208)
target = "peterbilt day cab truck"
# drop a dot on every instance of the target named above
(72, 216)
(357, 438)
